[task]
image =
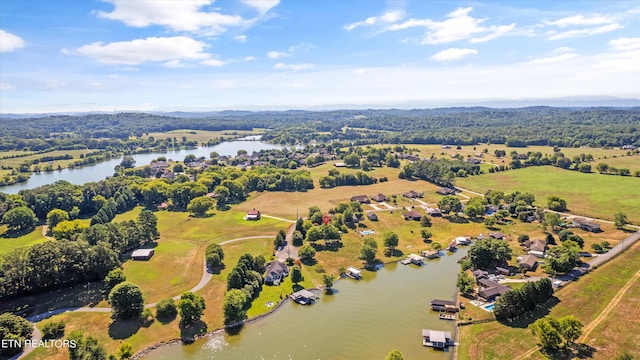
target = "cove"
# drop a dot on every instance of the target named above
(103, 169)
(363, 319)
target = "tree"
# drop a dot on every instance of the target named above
(546, 329)
(425, 221)
(86, 348)
(490, 222)
(113, 278)
(475, 207)
(425, 234)
(465, 283)
(214, 256)
(127, 162)
(390, 241)
(126, 300)
(552, 220)
(280, 240)
(125, 351)
(306, 253)
(328, 280)
(368, 251)
(296, 274)
(13, 327)
(556, 204)
(352, 160)
(66, 229)
(53, 330)
(570, 329)
(191, 307)
(560, 259)
(602, 168)
(56, 216)
(166, 309)
(489, 253)
(20, 219)
(620, 220)
(233, 306)
(395, 354)
(626, 355)
(200, 205)
(450, 204)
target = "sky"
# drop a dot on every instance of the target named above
(201, 55)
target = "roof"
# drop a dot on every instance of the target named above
(538, 245)
(443, 302)
(487, 283)
(379, 198)
(360, 198)
(529, 260)
(480, 273)
(412, 214)
(411, 194)
(304, 293)
(493, 291)
(436, 336)
(253, 212)
(372, 216)
(142, 253)
(277, 267)
(415, 257)
(446, 191)
(497, 235)
(585, 222)
(353, 270)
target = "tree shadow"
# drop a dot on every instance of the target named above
(234, 330)
(458, 219)
(166, 319)
(524, 321)
(202, 216)
(297, 287)
(309, 262)
(216, 270)
(189, 331)
(121, 329)
(330, 291)
(578, 351)
(12, 234)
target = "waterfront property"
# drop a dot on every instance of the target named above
(431, 254)
(444, 305)
(413, 259)
(463, 240)
(447, 316)
(276, 271)
(304, 297)
(453, 246)
(142, 254)
(353, 273)
(436, 339)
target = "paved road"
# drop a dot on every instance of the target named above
(624, 244)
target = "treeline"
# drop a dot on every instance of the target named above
(516, 303)
(440, 171)
(247, 275)
(336, 178)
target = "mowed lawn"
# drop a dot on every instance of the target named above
(584, 299)
(593, 195)
(202, 135)
(10, 243)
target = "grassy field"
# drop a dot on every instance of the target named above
(203, 135)
(592, 195)
(584, 299)
(9, 243)
(15, 162)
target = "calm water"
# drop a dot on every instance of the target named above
(363, 320)
(103, 169)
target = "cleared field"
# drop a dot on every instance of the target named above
(8, 243)
(15, 162)
(591, 195)
(203, 135)
(584, 299)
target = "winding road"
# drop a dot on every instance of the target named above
(206, 277)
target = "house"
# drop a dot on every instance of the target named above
(163, 206)
(353, 273)
(529, 262)
(436, 339)
(252, 215)
(412, 215)
(339, 164)
(446, 191)
(372, 216)
(379, 198)
(587, 225)
(142, 254)
(537, 247)
(362, 199)
(503, 271)
(444, 305)
(157, 165)
(497, 235)
(486, 283)
(303, 297)
(434, 212)
(480, 274)
(415, 259)
(628, 147)
(411, 194)
(453, 246)
(276, 271)
(463, 240)
(474, 161)
(431, 254)
(491, 293)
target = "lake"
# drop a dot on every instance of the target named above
(363, 320)
(103, 169)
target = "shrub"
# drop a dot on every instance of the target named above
(166, 310)
(53, 330)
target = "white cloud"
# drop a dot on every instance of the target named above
(595, 19)
(249, 58)
(293, 67)
(224, 84)
(143, 50)
(183, 15)
(458, 25)
(553, 59)
(553, 35)
(9, 41)
(453, 54)
(625, 44)
(213, 62)
(174, 64)
(262, 5)
(240, 38)
(389, 17)
(277, 54)
(5, 86)
(562, 50)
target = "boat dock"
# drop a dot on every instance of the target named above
(437, 339)
(447, 316)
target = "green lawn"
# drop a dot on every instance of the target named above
(592, 194)
(9, 243)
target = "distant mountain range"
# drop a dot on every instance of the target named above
(466, 105)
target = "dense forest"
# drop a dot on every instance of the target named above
(568, 127)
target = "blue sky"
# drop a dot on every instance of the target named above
(197, 55)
